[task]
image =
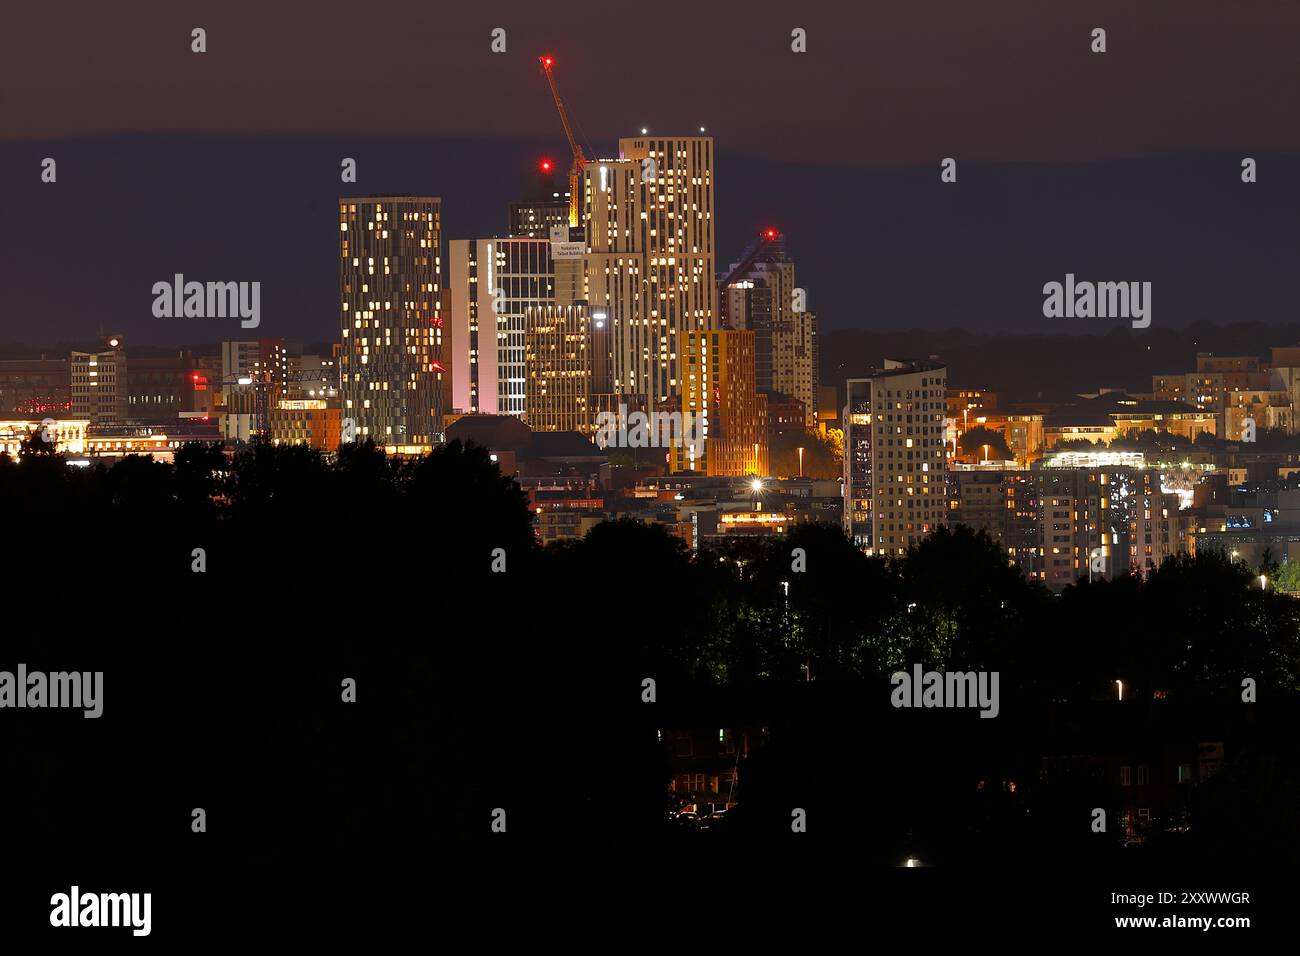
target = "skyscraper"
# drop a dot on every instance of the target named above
(760, 293)
(494, 284)
(390, 366)
(535, 220)
(894, 492)
(720, 407)
(559, 369)
(650, 233)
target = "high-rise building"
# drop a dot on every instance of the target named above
(760, 293)
(390, 365)
(649, 227)
(894, 492)
(99, 384)
(494, 282)
(543, 203)
(720, 407)
(558, 344)
(535, 220)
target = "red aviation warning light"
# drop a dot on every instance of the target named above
(770, 234)
(546, 165)
(579, 156)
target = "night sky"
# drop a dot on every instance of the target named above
(1122, 166)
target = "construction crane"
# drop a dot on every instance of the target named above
(266, 386)
(579, 157)
(768, 240)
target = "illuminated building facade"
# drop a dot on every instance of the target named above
(1267, 408)
(559, 368)
(759, 294)
(649, 221)
(1157, 529)
(719, 400)
(534, 220)
(390, 364)
(1063, 523)
(894, 456)
(310, 422)
(1024, 436)
(1224, 385)
(99, 385)
(494, 284)
(69, 434)
(162, 443)
(255, 378)
(1113, 414)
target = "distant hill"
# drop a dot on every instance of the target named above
(1050, 367)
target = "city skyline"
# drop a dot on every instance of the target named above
(479, 442)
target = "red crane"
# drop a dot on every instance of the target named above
(579, 157)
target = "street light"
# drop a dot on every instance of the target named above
(1263, 583)
(986, 452)
(800, 462)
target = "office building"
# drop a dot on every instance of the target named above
(99, 384)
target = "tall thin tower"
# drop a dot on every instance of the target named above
(390, 365)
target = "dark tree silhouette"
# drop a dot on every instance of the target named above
(973, 440)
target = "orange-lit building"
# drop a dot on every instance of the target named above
(720, 402)
(306, 422)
